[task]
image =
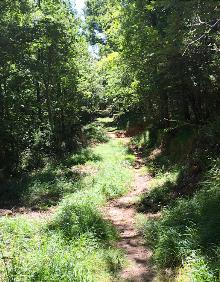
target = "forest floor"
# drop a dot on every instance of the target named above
(99, 209)
(118, 167)
(122, 213)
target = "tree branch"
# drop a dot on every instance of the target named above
(201, 37)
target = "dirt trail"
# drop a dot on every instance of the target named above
(122, 212)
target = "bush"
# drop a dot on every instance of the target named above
(96, 133)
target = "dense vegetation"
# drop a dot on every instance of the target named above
(155, 68)
(45, 68)
(159, 62)
(184, 193)
(160, 58)
(75, 242)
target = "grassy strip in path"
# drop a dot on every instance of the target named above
(76, 245)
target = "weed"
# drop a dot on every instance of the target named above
(77, 215)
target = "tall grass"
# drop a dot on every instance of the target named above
(188, 233)
(160, 192)
(185, 236)
(76, 243)
(29, 253)
(45, 187)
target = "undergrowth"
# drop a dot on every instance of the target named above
(161, 191)
(76, 243)
(29, 253)
(96, 132)
(185, 236)
(45, 187)
(189, 232)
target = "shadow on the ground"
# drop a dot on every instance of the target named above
(45, 187)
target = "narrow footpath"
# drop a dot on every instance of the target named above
(122, 213)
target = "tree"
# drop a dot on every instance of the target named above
(43, 100)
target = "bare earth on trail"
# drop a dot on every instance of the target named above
(28, 213)
(121, 212)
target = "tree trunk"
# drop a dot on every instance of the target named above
(164, 109)
(1, 102)
(39, 110)
(48, 103)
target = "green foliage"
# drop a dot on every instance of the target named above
(141, 140)
(191, 225)
(46, 94)
(33, 254)
(196, 269)
(41, 188)
(103, 23)
(153, 62)
(78, 215)
(114, 174)
(161, 192)
(95, 132)
(76, 243)
(111, 176)
(82, 157)
(186, 235)
(47, 187)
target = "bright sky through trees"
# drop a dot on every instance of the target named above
(79, 4)
(70, 72)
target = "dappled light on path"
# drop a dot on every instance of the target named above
(122, 213)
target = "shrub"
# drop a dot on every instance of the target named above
(96, 133)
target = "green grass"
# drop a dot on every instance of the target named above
(189, 231)
(96, 132)
(161, 191)
(47, 186)
(78, 215)
(142, 140)
(82, 157)
(44, 185)
(109, 123)
(185, 238)
(77, 243)
(114, 172)
(29, 253)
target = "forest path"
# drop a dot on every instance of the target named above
(122, 213)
